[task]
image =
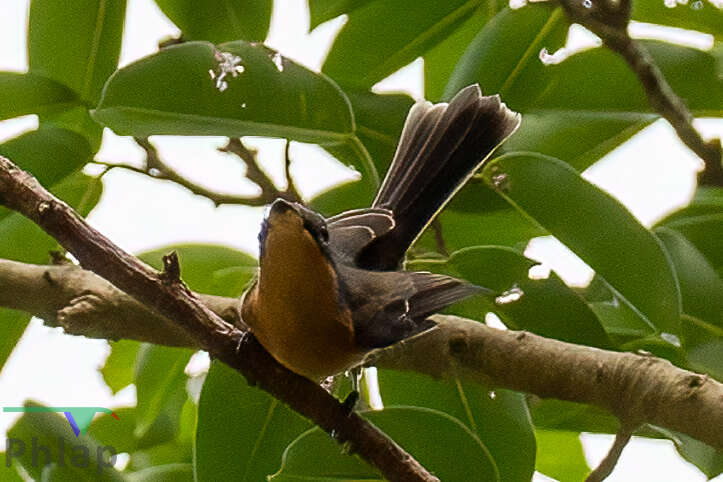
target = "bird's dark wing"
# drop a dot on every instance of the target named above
(390, 306)
(351, 231)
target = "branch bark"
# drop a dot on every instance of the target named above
(165, 294)
(638, 389)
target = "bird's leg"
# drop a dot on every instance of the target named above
(350, 401)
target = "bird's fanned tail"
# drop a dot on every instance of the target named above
(441, 146)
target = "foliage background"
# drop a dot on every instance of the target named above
(658, 179)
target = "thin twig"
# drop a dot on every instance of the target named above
(257, 175)
(611, 459)
(609, 20)
(171, 298)
(291, 190)
(254, 173)
(215, 197)
(155, 167)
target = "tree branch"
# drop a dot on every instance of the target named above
(157, 169)
(255, 174)
(291, 189)
(609, 20)
(611, 459)
(169, 297)
(637, 389)
(640, 389)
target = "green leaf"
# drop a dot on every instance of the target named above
(79, 46)
(703, 343)
(597, 228)
(578, 138)
(701, 288)
(28, 93)
(442, 444)
(558, 415)
(360, 60)
(164, 473)
(440, 61)
(118, 369)
(477, 216)
(344, 197)
(670, 349)
(705, 232)
(701, 222)
(219, 21)
(379, 121)
(49, 153)
(620, 320)
(707, 200)
(8, 471)
(703, 456)
(569, 87)
(507, 48)
(502, 423)
(547, 306)
(568, 113)
(78, 120)
(161, 391)
(322, 10)
(12, 327)
(79, 455)
(560, 455)
(171, 92)
(208, 268)
(353, 153)
(153, 451)
(23, 240)
(242, 431)
(703, 16)
(119, 433)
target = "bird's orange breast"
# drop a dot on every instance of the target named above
(295, 309)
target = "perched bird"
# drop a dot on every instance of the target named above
(331, 290)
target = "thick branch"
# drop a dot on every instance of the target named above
(609, 20)
(172, 299)
(636, 388)
(85, 304)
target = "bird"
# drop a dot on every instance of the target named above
(330, 291)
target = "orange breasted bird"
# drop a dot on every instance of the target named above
(331, 290)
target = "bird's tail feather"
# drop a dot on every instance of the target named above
(441, 146)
